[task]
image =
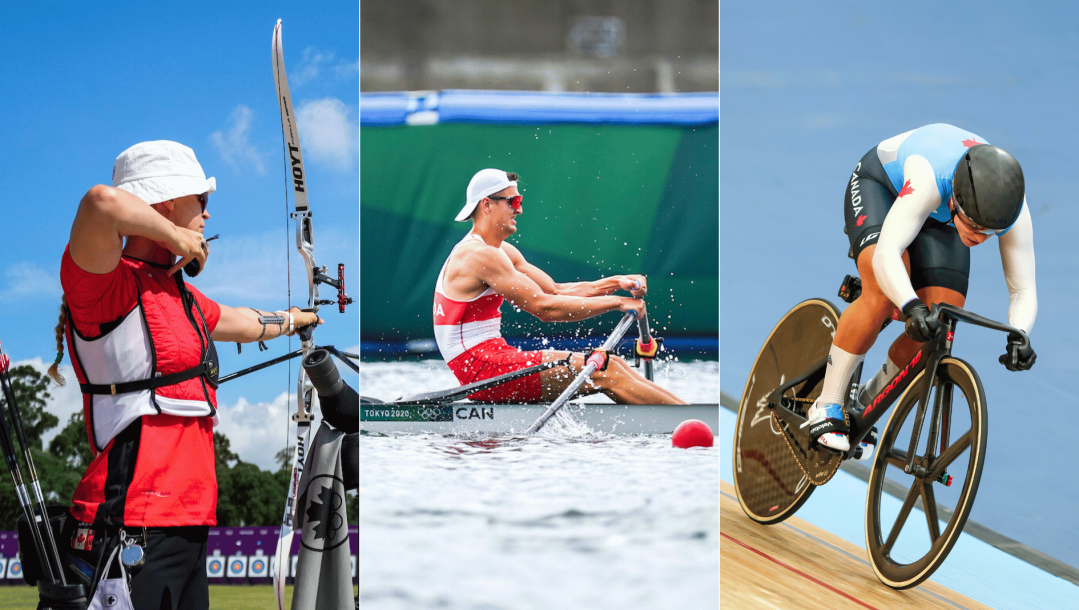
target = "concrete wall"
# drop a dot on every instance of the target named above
(635, 46)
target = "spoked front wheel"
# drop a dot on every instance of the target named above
(768, 480)
(909, 538)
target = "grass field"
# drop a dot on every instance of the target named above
(222, 597)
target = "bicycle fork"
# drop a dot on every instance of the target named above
(939, 425)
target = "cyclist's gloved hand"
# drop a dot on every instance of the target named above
(1018, 357)
(919, 327)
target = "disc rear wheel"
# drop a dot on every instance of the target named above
(769, 483)
(910, 535)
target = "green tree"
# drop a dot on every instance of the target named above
(30, 389)
(246, 494)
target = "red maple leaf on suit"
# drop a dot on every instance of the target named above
(861, 219)
(970, 142)
(907, 189)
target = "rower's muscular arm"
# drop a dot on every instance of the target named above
(1017, 256)
(107, 215)
(241, 324)
(496, 270)
(636, 284)
(917, 200)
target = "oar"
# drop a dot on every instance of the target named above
(645, 347)
(453, 394)
(590, 367)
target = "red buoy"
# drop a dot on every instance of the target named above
(692, 433)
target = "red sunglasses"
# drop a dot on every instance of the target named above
(515, 201)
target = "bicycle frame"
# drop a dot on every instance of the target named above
(926, 359)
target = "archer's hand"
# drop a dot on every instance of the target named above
(637, 285)
(189, 245)
(301, 318)
(919, 326)
(1017, 356)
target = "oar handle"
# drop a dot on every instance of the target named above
(589, 368)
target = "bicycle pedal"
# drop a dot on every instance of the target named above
(863, 452)
(871, 438)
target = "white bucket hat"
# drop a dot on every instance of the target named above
(160, 170)
(485, 182)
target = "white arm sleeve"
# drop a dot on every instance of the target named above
(916, 202)
(1017, 256)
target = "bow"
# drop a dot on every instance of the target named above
(315, 276)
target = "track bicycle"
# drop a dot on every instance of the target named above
(933, 445)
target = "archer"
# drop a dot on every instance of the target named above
(142, 345)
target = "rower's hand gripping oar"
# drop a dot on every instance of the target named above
(592, 363)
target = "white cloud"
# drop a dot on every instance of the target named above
(256, 431)
(345, 71)
(310, 65)
(329, 133)
(233, 144)
(26, 279)
(313, 62)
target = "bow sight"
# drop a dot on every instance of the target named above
(342, 298)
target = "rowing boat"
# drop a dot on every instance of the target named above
(469, 417)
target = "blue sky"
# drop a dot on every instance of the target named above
(805, 91)
(83, 81)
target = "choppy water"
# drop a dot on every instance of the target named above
(562, 520)
(695, 381)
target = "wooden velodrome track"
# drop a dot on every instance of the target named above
(797, 565)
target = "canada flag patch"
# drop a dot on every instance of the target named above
(83, 539)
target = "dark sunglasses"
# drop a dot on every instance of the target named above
(515, 201)
(204, 198)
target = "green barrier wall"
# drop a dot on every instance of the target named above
(598, 200)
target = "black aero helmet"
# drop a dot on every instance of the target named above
(988, 185)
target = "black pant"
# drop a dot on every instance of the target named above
(174, 575)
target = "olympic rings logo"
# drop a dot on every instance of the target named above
(428, 413)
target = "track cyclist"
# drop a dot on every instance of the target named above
(484, 269)
(901, 199)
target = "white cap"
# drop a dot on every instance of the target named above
(159, 171)
(486, 182)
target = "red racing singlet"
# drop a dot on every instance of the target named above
(462, 325)
(469, 336)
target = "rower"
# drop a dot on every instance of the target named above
(483, 270)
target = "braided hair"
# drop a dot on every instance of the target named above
(54, 370)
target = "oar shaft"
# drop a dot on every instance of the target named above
(443, 396)
(589, 368)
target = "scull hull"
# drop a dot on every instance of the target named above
(477, 418)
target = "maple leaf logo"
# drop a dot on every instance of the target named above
(322, 514)
(907, 189)
(861, 219)
(970, 142)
